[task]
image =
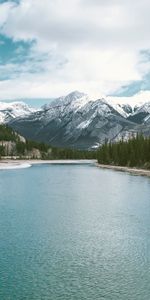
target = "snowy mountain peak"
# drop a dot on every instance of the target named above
(78, 120)
(12, 110)
(75, 95)
(134, 101)
(74, 99)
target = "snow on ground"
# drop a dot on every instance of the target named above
(10, 166)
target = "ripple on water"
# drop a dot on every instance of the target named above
(64, 235)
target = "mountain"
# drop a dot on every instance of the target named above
(10, 111)
(78, 121)
(15, 146)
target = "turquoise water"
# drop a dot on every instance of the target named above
(74, 232)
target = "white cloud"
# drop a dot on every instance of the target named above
(5, 9)
(91, 45)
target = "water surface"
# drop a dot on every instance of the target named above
(74, 232)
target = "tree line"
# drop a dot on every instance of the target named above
(133, 153)
(67, 153)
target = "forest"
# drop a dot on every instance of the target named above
(132, 153)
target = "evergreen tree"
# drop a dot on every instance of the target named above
(134, 153)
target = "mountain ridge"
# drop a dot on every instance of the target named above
(78, 121)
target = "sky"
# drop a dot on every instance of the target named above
(50, 48)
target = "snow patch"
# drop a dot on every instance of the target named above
(11, 166)
(84, 124)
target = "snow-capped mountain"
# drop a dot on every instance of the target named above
(13, 110)
(80, 121)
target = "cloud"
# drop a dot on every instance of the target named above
(5, 8)
(92, 45)
(64, 23)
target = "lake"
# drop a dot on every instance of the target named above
(74, 232)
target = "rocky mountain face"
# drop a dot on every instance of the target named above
(80, 122)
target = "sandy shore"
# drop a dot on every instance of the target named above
(134, 171)
(20, 164)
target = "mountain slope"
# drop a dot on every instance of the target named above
(78, 121)
(74, 121)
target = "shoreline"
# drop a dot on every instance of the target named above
(8, 164)
(133, 171)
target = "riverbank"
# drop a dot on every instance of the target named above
(134, 171)
(18, 164)
(7, 164)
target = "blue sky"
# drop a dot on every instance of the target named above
(13, 51)
(50, 48)
(4, 1)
